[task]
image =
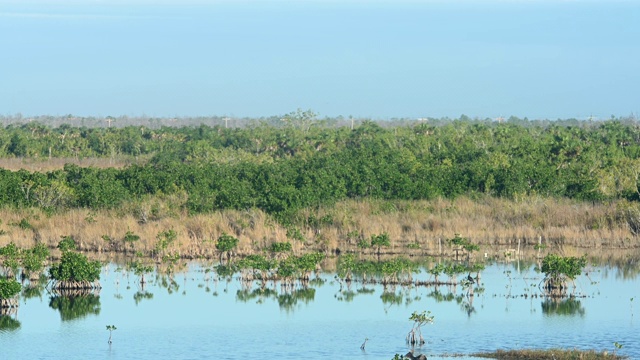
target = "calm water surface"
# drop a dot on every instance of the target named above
(197, 317)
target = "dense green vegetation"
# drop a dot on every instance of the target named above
(74, 271)
(302, 162)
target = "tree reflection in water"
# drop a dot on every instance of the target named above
(76, 306)
(567, 307)
(142, 295)
(8, 323)
(34, 288)
(287, 299)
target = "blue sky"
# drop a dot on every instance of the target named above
(377, 59)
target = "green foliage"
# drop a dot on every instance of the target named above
(130, 237)
(24, 224)
(165, 238)
(66, 244)
(465, 243)
(414, 337)
(294, 234)
(309, 262)
(283, 166)
(33, 259)
(380, 240)
(111, 328)
(75, 267)
(9, 288)
(287, 268)
(555, 266)
(559, 270)
(226, 243)
(280, 247)
(10, 255)
(256, 262)
(140, 268)
(421, 319)
(364, 244)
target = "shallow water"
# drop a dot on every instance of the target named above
(197, 317)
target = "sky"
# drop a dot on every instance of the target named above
(377, 59)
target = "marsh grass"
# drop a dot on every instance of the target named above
(414, 227)
(552, 354)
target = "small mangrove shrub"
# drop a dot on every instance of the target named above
(9, 290)
(380, 240)
(558, 271)
(414, 337)
(111, 328)
(10, 256)
(74, 271)
(226, 244)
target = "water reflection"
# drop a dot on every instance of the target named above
(142, 295)
(8, 323)
(568, 307)
(34, 289)
(75, 307)
(288, 298)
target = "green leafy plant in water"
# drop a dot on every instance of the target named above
(226, 244)
(75, 267)
(414, 337)
(9, 288)
(10, 255)
(33, 259)
(559, 270)
(140, 269)
(380, 240)
(164, 239)
(436, 271)
(465, 243)
(617, 346)
(111, 328)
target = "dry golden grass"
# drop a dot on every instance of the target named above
(552, 354)
(414, 227)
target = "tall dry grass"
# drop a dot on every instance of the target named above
(414, 227)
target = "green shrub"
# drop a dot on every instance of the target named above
(9, 288)
(75, 267)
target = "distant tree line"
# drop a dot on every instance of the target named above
(300, 162)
